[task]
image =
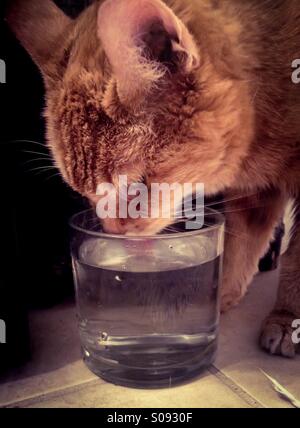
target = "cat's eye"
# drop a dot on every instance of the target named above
(140, 180)
(66, 57)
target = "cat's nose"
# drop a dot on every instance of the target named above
(115, 226)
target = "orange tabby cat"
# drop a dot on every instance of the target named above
(181, 91)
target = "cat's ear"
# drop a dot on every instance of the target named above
(139, 37)
(37, 24)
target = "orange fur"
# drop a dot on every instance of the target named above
(231, 122)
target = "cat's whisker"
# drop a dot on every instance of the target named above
(46, 155)
(171, 229)
(228, 230)
(235, 198)
(53, 176)
(193, 213)
(94, 227)
(35, 160)
(30, 141)
(93, 222)
(177, 213)
(42, 169)
(238, 210)
(187, 213)
(25, 141)
(255, 95)
(235, 233)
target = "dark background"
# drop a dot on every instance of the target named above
(34, 205)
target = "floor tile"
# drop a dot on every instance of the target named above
(240, 357)
(204, 393)
(57, 377)
(56, 358)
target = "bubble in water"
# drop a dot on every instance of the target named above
(103, 337)
(83, 322)
(117, 278)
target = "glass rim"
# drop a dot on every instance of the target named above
(172, 235)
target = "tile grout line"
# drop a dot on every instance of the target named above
(56, 393)
(235, 388)
(40, 398)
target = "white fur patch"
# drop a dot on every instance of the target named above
(289, 222)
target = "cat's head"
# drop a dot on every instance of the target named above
(141, 88)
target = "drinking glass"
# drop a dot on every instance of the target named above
(148, 307)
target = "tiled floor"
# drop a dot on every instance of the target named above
(56, 377)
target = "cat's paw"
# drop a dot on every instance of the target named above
(230, 299)
(277, 335)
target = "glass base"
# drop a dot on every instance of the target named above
(156, 374)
